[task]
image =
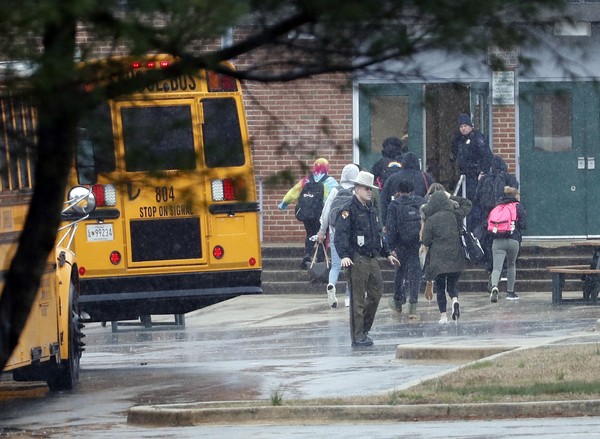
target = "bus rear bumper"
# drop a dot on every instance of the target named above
(126, 298)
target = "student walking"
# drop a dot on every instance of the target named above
(391, 152)
(310, 194)
(403, 228)
(410, 171)
(359, 240)
(446, 258)
(490, 189)
(506, 244)
(337, 199)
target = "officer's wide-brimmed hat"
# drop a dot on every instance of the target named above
(364, 178)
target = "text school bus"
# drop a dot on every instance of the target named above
(50, 346)
(176, 226)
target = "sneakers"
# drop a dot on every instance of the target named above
(511, 296)
(494, 295)
(331, 299)
(347, 301)
(455, 310)
(396, 305)
(443, 319)
(364, 341)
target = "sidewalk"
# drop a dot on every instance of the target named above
(312, 357)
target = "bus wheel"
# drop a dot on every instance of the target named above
(65, 375)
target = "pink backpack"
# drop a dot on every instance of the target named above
(502, 219)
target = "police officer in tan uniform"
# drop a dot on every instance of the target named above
(358, 240)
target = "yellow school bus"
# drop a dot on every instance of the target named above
(176, 226)
(49, 348)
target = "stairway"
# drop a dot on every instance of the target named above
(282, 275)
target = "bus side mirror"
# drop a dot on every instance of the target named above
(86, 166)
(81, 200)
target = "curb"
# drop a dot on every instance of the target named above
(175, 415)
(450, 353)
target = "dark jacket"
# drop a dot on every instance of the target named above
(521, 223)
(410, 171)
(357, 230)
(472, 152)
(391, 151)
(496, 179)
(441, 234)
(396, 228)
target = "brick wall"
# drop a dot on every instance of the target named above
(292, 124)
(504, 135)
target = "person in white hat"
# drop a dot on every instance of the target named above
(359, 240)
(337, 198)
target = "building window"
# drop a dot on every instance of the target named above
(389, 118)
(553, 122)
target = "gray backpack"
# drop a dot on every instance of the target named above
(342, 198)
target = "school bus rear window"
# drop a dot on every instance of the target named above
(223, 145)
(97, 128)
(158, 138)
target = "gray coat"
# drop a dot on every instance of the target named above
(441, 234)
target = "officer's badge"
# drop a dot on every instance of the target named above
(345, 214)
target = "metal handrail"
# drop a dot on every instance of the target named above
(462, 183)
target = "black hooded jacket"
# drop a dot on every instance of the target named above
(490, 188)
(410, 171)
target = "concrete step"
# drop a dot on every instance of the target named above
(282, 273)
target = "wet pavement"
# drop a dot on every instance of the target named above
(295, 346)
(306, 350)
(298, 346)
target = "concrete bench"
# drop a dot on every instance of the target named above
(558, 279)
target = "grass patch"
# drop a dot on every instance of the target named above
(277, 396)
(480, 365)
(543, 373)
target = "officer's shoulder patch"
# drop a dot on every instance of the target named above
(345, 214)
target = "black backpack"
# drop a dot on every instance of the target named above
(489, 190)
(391, 167)
(310, 202)
(408, 222)
(342, 198)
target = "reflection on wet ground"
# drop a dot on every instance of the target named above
(251, 347)
(297, 343)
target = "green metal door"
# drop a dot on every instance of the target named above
(389, 110)
(559, 145)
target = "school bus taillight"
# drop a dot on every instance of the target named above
(106, 195)
(252, 262)
(218, 252)
(221, 82)
(223, 189)
(115, 257)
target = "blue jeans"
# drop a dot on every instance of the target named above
(336, 264)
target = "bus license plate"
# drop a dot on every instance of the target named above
(100, 232)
